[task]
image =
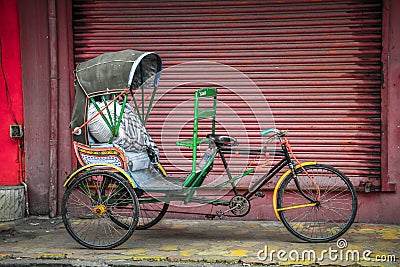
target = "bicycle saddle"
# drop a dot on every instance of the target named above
(222, 139)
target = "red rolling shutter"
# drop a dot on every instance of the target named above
(317, 63)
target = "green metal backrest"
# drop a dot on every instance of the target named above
(208, 113)
(112, 119)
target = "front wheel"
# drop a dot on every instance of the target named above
(100, 210)
(317, 215)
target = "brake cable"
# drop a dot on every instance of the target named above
(287, 144)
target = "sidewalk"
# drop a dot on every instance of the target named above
(40, 241)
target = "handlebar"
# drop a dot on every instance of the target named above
(273, 130)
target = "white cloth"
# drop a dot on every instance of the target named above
(132, 135)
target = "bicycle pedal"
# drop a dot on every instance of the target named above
(220, 214)
(260, 194)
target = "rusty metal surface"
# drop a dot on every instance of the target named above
(65, 82)
(46, 52)
(36, 90)
(54, 106)
(390, 97)
(317, 63)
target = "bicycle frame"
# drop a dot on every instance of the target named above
(250, 192)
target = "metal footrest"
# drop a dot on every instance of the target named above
(151, 180)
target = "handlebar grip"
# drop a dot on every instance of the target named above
(265, 132)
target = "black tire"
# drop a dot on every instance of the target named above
(151, 211)
(333, 214)
(100, 210)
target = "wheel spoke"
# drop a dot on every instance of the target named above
(330, 217)
(100, 210)
(151, 211)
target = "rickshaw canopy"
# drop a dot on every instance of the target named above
(111, 73)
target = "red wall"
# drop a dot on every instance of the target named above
(11, 107)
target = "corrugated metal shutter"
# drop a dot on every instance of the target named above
(316, 62)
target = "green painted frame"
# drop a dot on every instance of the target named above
(113, 123)
(200, 114)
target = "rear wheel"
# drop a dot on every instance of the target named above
(100, 210)
(313, 219)
(151, 211)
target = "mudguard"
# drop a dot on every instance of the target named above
(278, 184)
(113, 168)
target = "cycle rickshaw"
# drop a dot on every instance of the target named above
(121, 186)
